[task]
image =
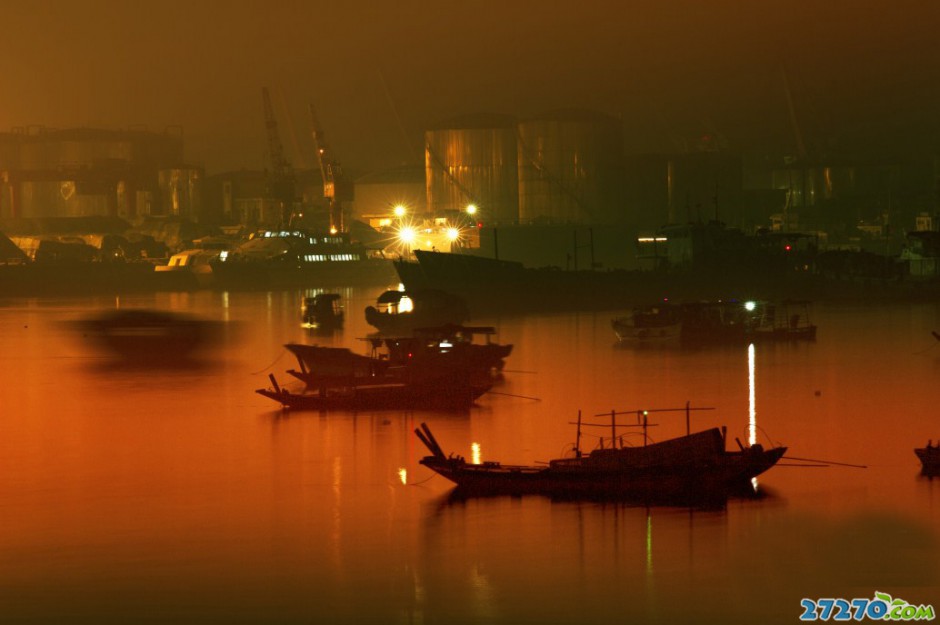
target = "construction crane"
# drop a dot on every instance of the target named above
(281, 180)
(335, 186)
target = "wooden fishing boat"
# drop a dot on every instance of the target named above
(678, 468)
(451, 349)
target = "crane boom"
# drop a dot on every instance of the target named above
(278, 160)
(335, 187)
(281, 182)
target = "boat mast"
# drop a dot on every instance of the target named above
(577, 441)
(613, 428)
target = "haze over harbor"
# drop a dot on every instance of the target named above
(864, 75)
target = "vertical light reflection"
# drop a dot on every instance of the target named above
(483, 600)
(752, 403)
(337, 520)
(475, 453)
(649, 542)
(403, 475)
(751, 396)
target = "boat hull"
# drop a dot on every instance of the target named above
(391, 396)
(279, 275)
(695, 465)
(732, 475)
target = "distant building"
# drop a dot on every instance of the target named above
(85, 172)
(688, 187)
(248, 197)
(378, 194)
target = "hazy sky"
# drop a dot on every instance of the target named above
(381, 72)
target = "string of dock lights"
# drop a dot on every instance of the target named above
(409, 233)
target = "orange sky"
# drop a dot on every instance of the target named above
(860, 74)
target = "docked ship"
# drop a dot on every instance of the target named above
(295, 258)
(690, 262)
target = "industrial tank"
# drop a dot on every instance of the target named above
(472, 160)
(181, 191)
(809, 185)
(570, 166)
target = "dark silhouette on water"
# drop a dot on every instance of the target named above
(684, 468)
(145, 337)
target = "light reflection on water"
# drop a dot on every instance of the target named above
(182, 495)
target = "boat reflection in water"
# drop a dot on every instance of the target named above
(678, 471)
(146, 337)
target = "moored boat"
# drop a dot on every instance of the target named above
(399, 312)
(400, 373)
(649, 324)
(687, 466)
(299, 258)
(189, 269)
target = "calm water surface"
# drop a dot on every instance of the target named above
(179, 495)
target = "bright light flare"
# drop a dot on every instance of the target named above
(471, 209)
(407, 235)
(750, 306)
(453, 234)
(400, 210)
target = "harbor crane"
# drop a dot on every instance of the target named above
(281, 180)
(336, 188)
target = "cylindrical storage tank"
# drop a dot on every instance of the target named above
(37, 153)
(84, 147)
(472, 160)
(571, 168)
(181, 192)
(58, 198)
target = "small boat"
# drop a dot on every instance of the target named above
(432, 354)
(400, 312)
(680, 468)
(335, 378)
(189, 268)
(929, 458)
(788, 320)
(323, 311)
(657, 323)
